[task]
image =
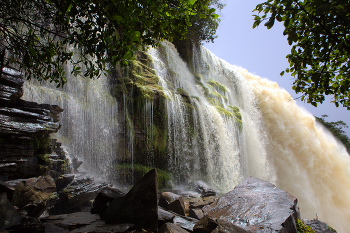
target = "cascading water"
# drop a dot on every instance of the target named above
(89, 126)
(223, 124)
(279, 142)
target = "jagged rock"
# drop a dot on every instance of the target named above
(164, 215)
(23, 124)
(76, 164)
(104, 197)
(187, 223)
(5, 188)
(203, 202)
(35, 209)
(32, 190)
(254, 205)
(77, 196)
(196, 213)
(63, 181)
(319, 227)
(10, 87)
(171, 228)
(139, 206)
(208, 225)
(203, 188)
(9, 216)
(173, 202)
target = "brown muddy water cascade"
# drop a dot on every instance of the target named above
(223, 124)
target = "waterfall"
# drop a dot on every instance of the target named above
(221, 124)
(89, 127)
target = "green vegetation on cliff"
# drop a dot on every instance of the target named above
(336, 128)
(137, 171)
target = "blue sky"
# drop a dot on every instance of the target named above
(262, 52)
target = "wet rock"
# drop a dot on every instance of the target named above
(28, 225)
(319, 227)
(32, 190)
(5, 188)
(139, 206)
(81, 222)
(196, 213)
(72, 221)
(9, 216)
(104, 197)
(77, 196)
(173, 202)
(165, 216)
(252, 206)
(34, 209)
(171, 228)
(187, 223)
(203, 202)
(203, 188)
(63, 181)
(10, 87)
(207, 225)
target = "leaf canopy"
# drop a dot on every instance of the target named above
(46, 39)
(319, 33)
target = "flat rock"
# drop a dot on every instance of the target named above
(253, 206)
(139, 206)
(171, 228)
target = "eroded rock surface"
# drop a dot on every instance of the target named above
(252, 206)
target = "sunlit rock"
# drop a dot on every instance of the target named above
(252, 206)
(173, 202)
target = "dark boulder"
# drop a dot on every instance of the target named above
(77, 196)
(63, 181)
(253, 206)
(139, 206)
(9, 216)
(196, 213)
(32, 190)
(173, 202)
(171, 228)
(104, 197)
(5, 188)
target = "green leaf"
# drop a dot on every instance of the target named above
(116, 17)
(32, 51)
(69, 7)
(215, 16)
(136, 35)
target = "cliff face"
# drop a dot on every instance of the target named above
(25, 127)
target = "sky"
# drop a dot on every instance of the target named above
(263, 52)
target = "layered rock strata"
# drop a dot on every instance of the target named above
(26, 149)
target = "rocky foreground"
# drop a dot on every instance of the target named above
(253, 206)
